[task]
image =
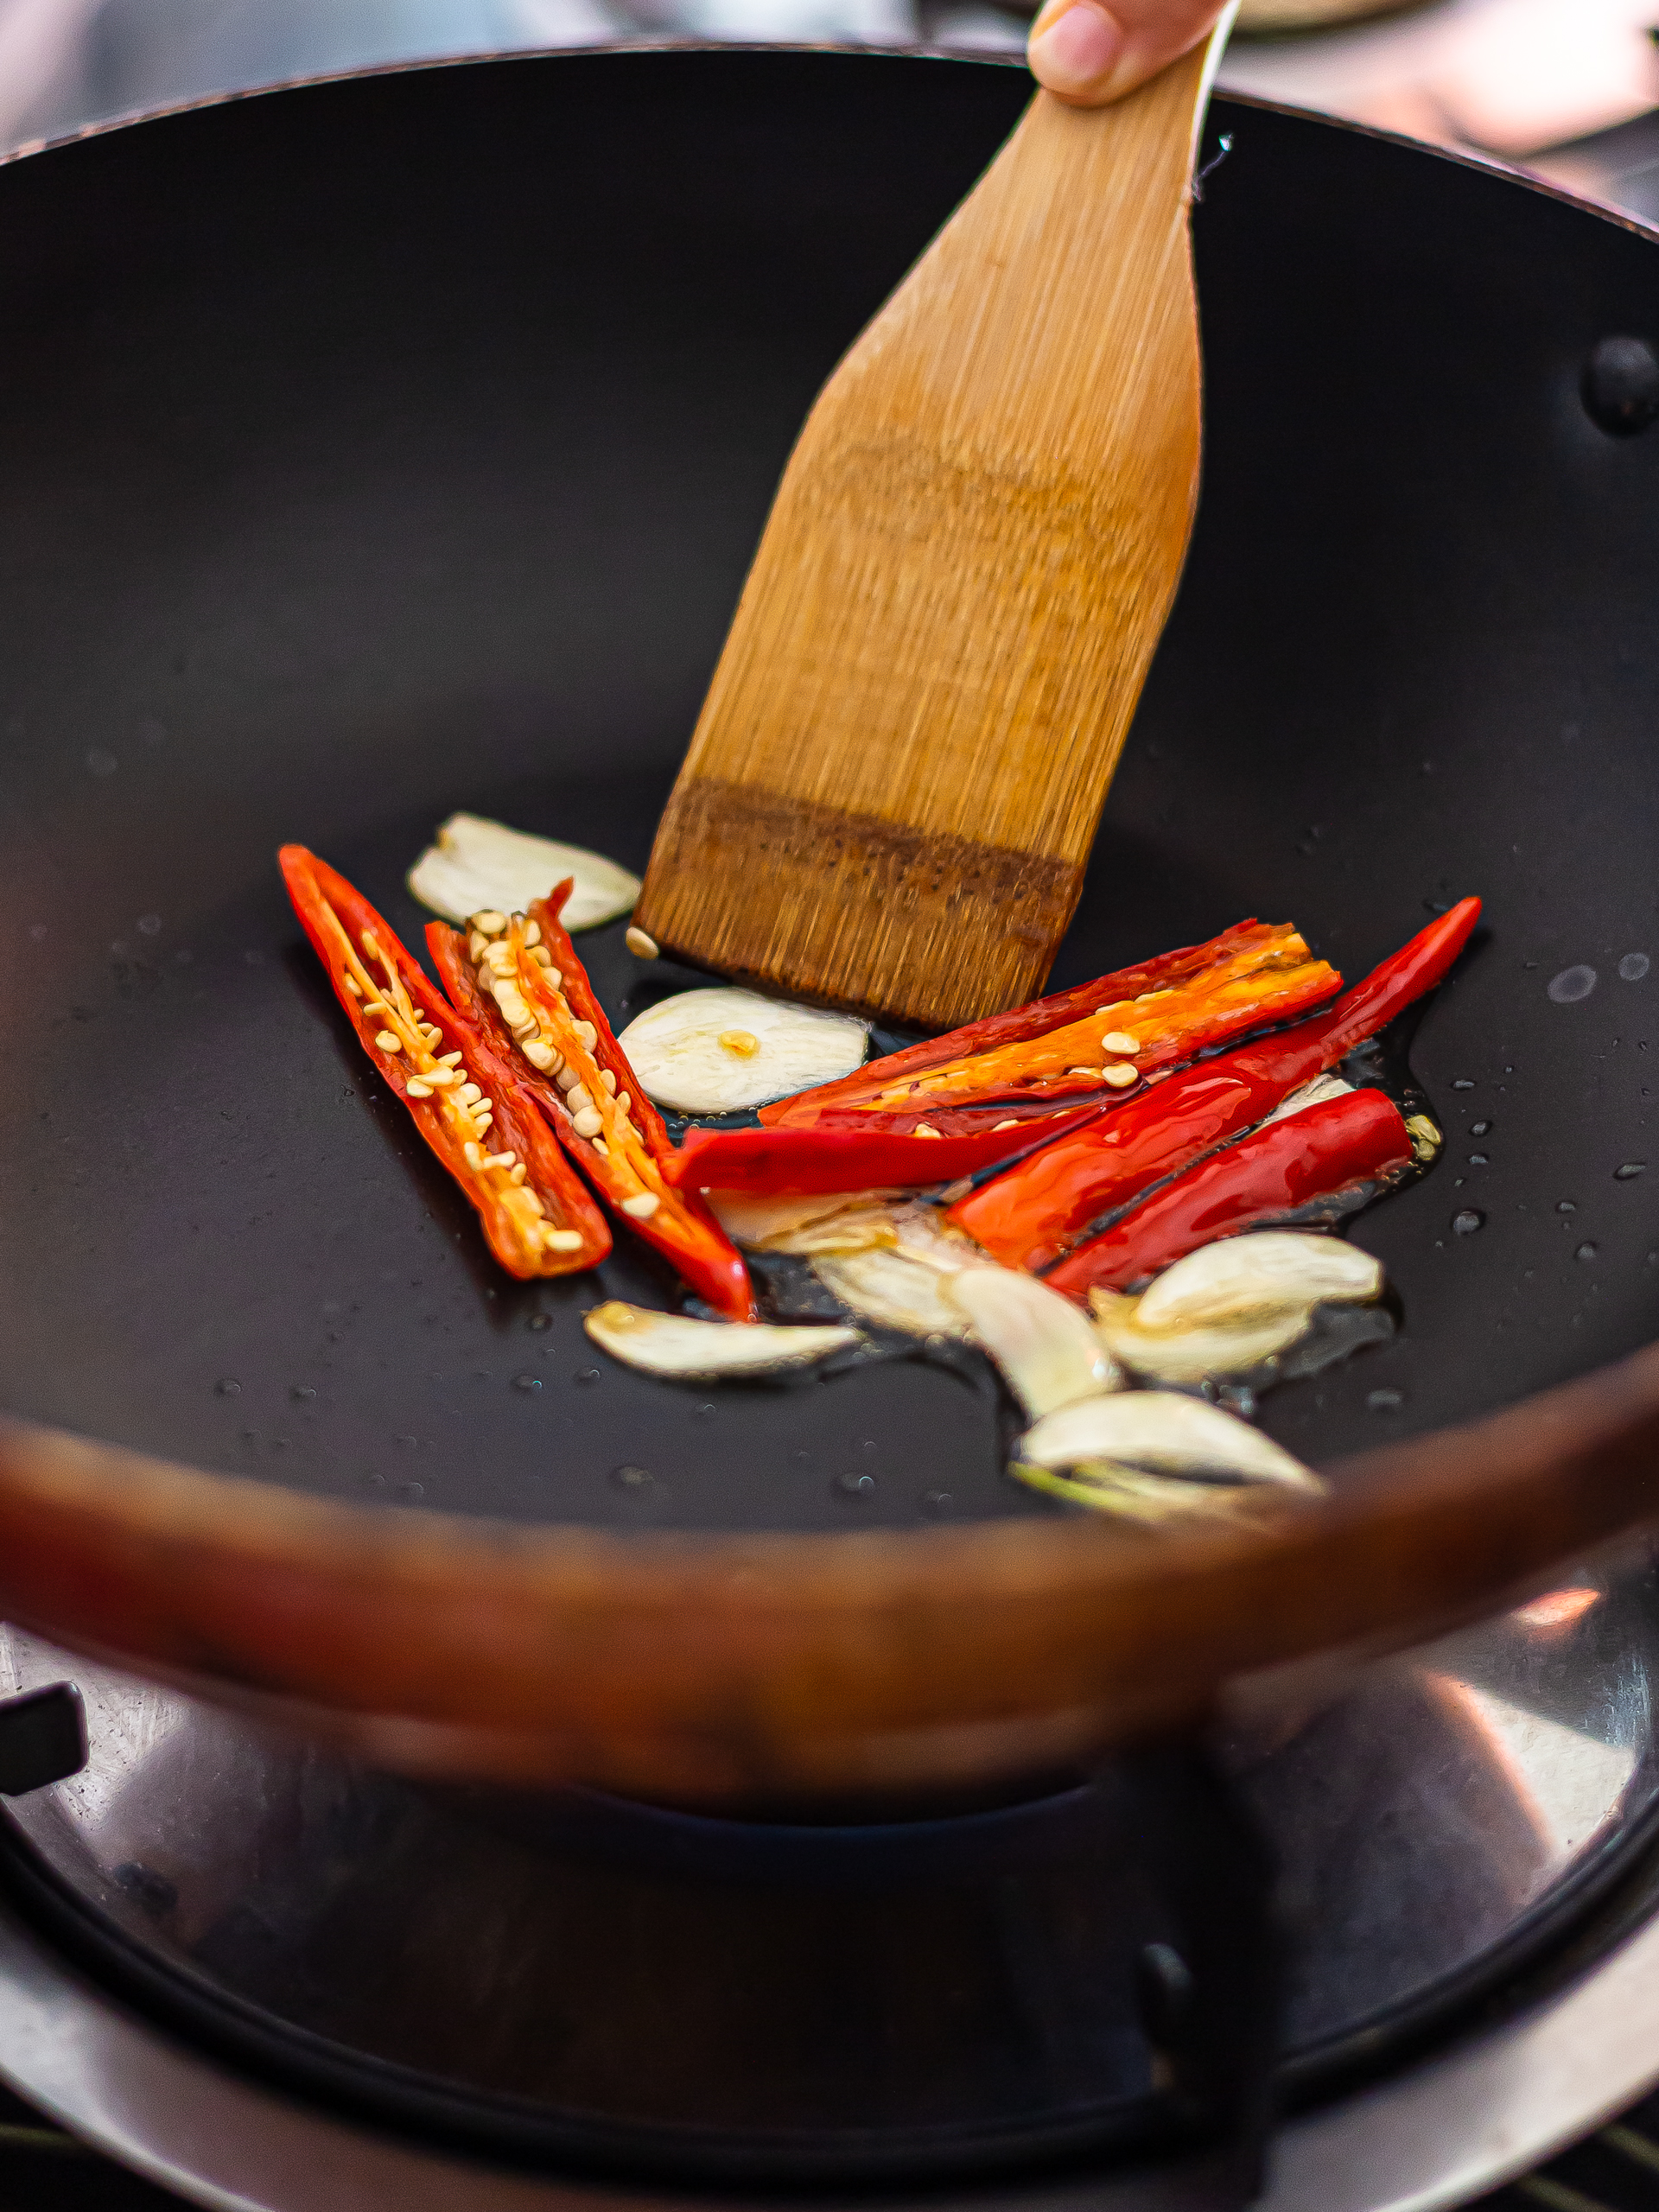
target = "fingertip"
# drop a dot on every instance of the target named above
(1074, 50)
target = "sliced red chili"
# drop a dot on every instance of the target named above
(524, 981)
(808, 1162)
(942, 1120)
(536, 1216)
(1319, 1153)
(1028, 1217)
(1105, 1036)
(1426, 960)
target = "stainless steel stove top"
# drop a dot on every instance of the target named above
(642, 1994)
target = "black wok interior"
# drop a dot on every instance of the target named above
(378, 448)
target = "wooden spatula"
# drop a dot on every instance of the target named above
(896, 777)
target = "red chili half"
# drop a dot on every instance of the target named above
(1028, 1217)
(1319, 1153)
(1253, 973)
(462, 1098)
(808, 1162)
(521, 978)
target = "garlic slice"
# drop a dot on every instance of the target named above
(1128, 1494)
(1267, 1271)
(1046, 1352)
(1317, 1092)
(1162, 1433)
(898, 1290)
(1191, 1355)
(474, 864)
(702, 1351)
(720, 1049)
(904, 1287)
(841, 1221)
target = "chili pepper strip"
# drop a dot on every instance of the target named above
(1036, 1019)
(1319, 1153)
(522, 978)
(942, 1121)
(811, 1162)
(1424, 961)
(1031, 1214)
(1119, 1045)
(536, 1216)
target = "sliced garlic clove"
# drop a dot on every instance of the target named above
(1316, 1093)
(1163, 1433)
(1044, 1350)
(1272, 1270)
(1129, 1494)
(473, 865)
(924, 1235)
(842, 1221)
(898, 1289)
(674, 1344)
(720, 1049)
(1193, 1355)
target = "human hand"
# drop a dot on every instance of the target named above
(1088, 53)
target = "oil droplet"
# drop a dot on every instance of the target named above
(409, 1493)
(541, 1320)
(704, 1412)
(1629, 1172)
(1585, 1251)
(633, 1478)
(937, 1502)
(1633, 967)
(1571, 985)
(1385, 1401)
(586, 1374)
(1463, 1082)
(1466, 1223)
(228, 1387)
(300, 1392)
(1480, 1159)
(856, 1485)
(1564, 1205)
(526, 1382)
(1480, 1129)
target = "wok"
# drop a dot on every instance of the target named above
(394, 445)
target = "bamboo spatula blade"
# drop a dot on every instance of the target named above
(892, 788)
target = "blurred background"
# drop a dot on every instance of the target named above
(1565, 88)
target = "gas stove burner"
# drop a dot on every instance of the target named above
(634, 1991)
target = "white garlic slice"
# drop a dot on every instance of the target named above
(1130, 1494)
(473, 864)
(697, 1351)
(840, 1221)
(1322, 1089)
(898, 1289)
(720, 1049)
(1164, 1434)
(1191, 1355)
(1046, 1350)
(1268, 1271)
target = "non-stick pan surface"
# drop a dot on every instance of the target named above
(394, 446)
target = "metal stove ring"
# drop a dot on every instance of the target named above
(1486, 2107)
